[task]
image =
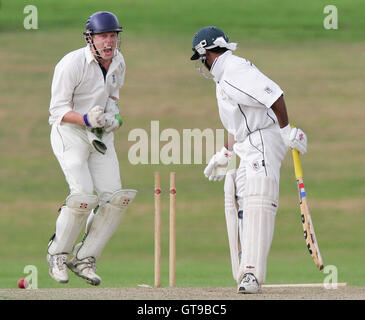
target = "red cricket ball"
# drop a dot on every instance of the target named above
(23, 283)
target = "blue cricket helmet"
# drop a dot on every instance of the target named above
(102, 21)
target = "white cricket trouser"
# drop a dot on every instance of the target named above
(85, 169)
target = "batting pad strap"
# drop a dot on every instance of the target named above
(83, 202)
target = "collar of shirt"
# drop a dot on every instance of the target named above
(90, 57)
(218, 65)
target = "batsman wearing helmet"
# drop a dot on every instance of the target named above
(84, 113)
(253, 111)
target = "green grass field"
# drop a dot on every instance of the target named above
(321, 72)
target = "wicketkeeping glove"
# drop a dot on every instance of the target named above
(218, 165)
(95, 118)
(294, 138)
(112, 122)
(113, 119)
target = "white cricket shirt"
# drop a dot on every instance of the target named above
(78, 83)
(244, 95)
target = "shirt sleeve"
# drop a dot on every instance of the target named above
(249, 86)
(65, 80)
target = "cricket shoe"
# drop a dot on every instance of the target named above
(85, 269)
(249, 284)
(57, 267)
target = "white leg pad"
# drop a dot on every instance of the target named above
(231, 214)
(103, 224)
(70, 222)
(260, 206)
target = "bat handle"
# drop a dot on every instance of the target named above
(297, 164)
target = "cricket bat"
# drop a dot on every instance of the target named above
(309, 235)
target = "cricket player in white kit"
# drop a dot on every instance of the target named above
(84, 113)
(252, 109)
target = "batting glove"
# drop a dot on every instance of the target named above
(294, 138)
(218, 165)
(95, 118)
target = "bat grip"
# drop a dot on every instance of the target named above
(297, 164)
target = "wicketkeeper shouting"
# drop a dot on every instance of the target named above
(253, 111)
(84, 113)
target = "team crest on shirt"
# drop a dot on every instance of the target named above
(268, 90)
(256, 165)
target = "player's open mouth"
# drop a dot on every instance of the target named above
(108, 51)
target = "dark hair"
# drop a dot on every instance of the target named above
(218, 50)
